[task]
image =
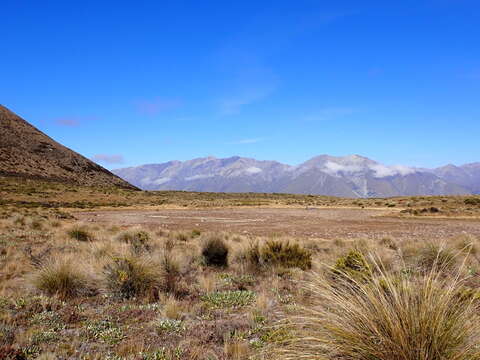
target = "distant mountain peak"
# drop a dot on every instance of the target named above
(349, 176)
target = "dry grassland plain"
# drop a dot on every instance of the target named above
(90, 273)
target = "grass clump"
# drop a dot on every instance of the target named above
(388, 318)
(131, 276)
(80, 234)
(285, 254)
(139, 240)
(62, 278)
(215, 251)
(436, 256)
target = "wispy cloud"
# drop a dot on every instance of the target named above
(249, 86)
(246, 141)
(155, 106)
(69, 122)
(73, 121)
(109, 159)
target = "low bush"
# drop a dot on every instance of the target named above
(472, 201)
(352, 266)
(62, 278)
(132, 276)
(215, 251)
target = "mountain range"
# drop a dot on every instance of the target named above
(27, 152)
(348, 176)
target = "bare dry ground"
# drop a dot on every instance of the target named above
(323, 223)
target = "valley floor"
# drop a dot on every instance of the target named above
(309, 222)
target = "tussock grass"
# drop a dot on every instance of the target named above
(277, 253)
(132, 276)
(139, 240)
(63, 278)
(437, 256)
(391, 317)
(80, 234)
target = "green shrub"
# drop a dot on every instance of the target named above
(196, 233)
(472, 201)
(132, 276)
(285, 254)
(80, 234)
(215, 251)
(353, 266)
(62, 278)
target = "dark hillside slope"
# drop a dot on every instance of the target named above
(27, 152)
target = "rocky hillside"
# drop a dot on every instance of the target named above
(27, 152)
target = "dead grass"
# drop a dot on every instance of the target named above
(64, 278)
(393, 316)
(167, 294)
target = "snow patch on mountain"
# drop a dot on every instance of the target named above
(253, 170)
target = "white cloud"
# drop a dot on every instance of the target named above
(385, 171)
(380, 171)
(334, 168)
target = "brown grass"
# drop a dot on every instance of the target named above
(392, 317)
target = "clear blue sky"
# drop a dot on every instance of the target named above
(152, 81)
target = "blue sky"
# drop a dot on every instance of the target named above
(129, 83)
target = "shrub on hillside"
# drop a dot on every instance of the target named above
(215, 251)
